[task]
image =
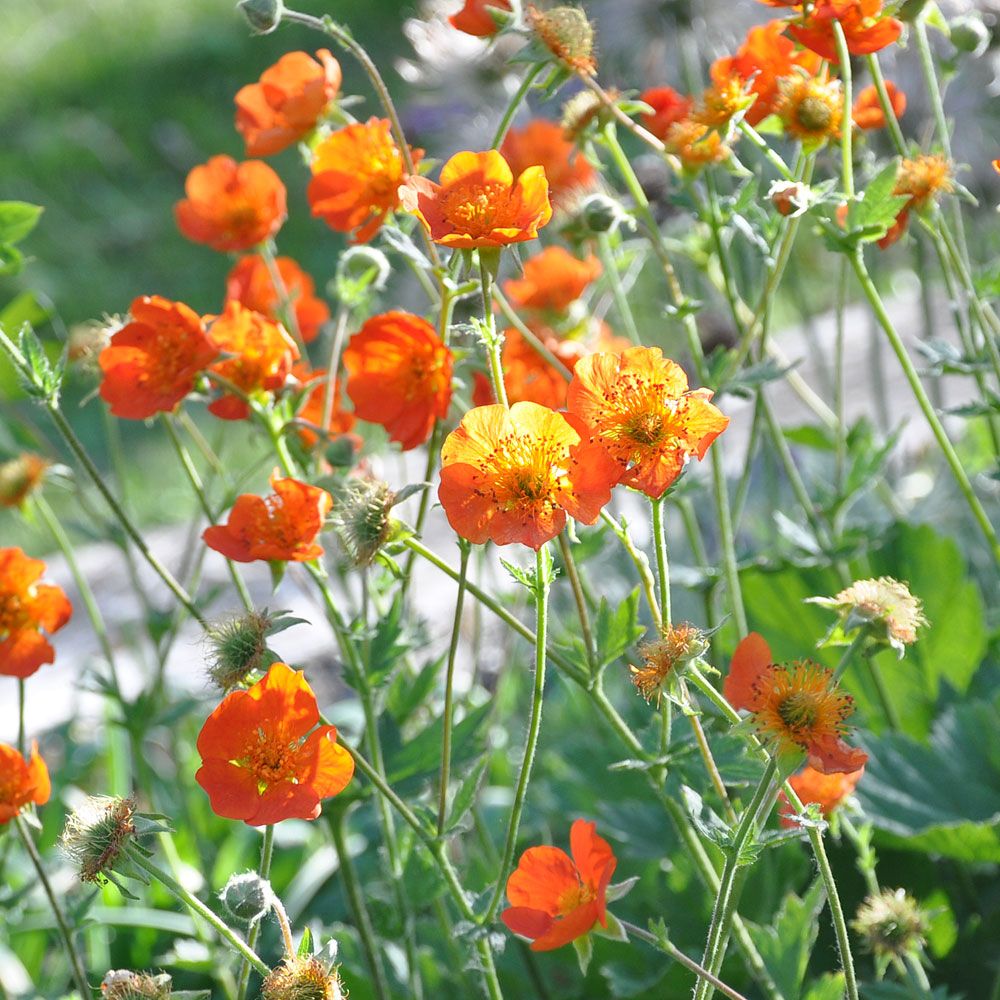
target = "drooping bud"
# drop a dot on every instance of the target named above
(263, 16)
(303, 979)
(97, 834)
(969, 34)
(568, 34)
(20, 477)
(600, 214)
(120, 984)
(248, 897)
(361, 272)
(892, 924)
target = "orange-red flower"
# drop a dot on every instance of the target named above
(921, 180)
(230, 205)
(825, 790)
(866, 27)
(313, 411)
(475, 19)
(479, 203)
(553, 279)
(262, 761)
(20, 477)
(637, 403)
(668, 107)
(763, 58)
(250, 283)
(541, 143)
(514, 475)
(795, 706)
(281, 527)
(695, 144)
(21, 781)
(357, 171)
(287, 101)
(261, 357)
(27, 609)
(152, 362)
(399, 376)
(556, 899)
(867, 111)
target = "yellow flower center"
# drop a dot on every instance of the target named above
(523, 471)
(476, 208)
(269, 759)
(576, 897)
(13, 614)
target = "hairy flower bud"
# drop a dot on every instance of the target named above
(568, 34)
(97, 834)
(676, 646)
(120, 984)
(262, 15)
(968, 33)
(247, 897)
(892, 924)
(20, 477)
(789, 198)
(363, 520)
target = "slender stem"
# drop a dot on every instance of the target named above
(503, 126)
(580, 599)
(199, 488)
(641, 564)
(449, 691)
(281, 915)
(21, 739)
(333, 365)
(83, 587)
(490, 979)
(888, 111)
(362, 919)
(530, 337)
(926, 407)
(765, 150)
(678, 956)
(286, 304)
(845, 659)
(541, 587)
(494, 342)
(866, 856)
(642, 134)
(836, 911)
(884, 697)
(75, 964)
(197, 906)
(266, 854)
(846, 124)
(610, 265)
(662, 566)
(712, 768)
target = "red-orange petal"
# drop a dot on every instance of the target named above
(750, 662)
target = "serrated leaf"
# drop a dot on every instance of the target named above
(617, 630)
(874, 212)
(421, 756)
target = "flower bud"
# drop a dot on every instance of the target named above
(120, 984)
(568, 34)
(302, 979)
(600, 214)
(237, 648)
(97, 834)
(363, 520)
(892, 924)
(247, 897)
(789, 198)
(263, 16)
(581, 111)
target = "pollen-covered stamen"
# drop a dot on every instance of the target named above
(576, 897)
(13, 615)
(477, 207)
(523, 471)
(271, 759)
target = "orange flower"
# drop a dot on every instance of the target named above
(27, 608)
(261, 763)
(923, 178)
(795, 706)
(230, 205)
(399, 376)
(357, 171)
(637, 403)
(513, 475)
(553, 279)
(151, 363)
(478, 203)
(763, 58)
(811, 109)
(249, 282)
(668, 107)
(312, 412)
(557, 899)
(21, 781)
(826, 790)
(287, 101)
(865, 26)
(475, 19)
(20, 477)
(541, 143)
(282, 527)
(721, 102)
(262, 357)
(695, 144)
(867, 111)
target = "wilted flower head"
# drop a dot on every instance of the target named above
(20, 477)
(97, 834)
(923, 178)
(303, 979)
(121, 984)
(363, 519)
(885, 605)
(677, 645)
(892, 924)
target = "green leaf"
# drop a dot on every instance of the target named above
(942, 797)
(786, 943)
(616, 631)
(305, 945)
(407, 694)
(17, 219)
(465, 797)
(422, 755)
(584, 948)
(830, 987)
(873, 214)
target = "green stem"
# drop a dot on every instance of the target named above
(356, 896)
(892, 122)
(520, 94)
(494, 343)
(765, 150)
(541, 587)
(866, 856)
(266, 854)
(75, 964)
(530, 337)
(449, 690)
(610, 265)
(678, 956)
(286, 305)
(198, 907)
(641, 564)
(847, 122)
(21, 738)
(580, 599)
(662, 566)
(884, 697)
(926, 407)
